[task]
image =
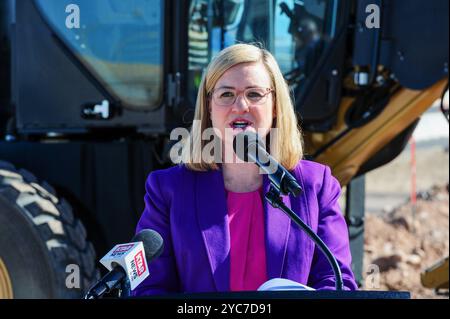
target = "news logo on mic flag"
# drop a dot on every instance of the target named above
(131, 257)
(121, 249)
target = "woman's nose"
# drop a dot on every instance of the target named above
(240, 105)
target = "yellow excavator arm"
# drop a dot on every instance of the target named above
(436, 276)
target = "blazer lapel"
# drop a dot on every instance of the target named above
(213, 221)
(277, 227)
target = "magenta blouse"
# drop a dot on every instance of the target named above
(247, 249)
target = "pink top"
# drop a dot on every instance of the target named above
(248, 254)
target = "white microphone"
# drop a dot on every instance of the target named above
(128, 263)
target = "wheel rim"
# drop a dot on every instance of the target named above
(5, 282)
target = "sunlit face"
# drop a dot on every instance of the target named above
(250, 87)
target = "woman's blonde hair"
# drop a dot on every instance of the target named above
(286, 145)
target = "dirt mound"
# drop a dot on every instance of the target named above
(405, 241)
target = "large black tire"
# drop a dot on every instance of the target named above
(43, 248)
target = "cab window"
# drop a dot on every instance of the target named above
(119, 42)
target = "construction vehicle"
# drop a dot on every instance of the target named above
(90, 91)
(436, 277)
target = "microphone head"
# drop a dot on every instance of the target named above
(242, 141)
(152, 241)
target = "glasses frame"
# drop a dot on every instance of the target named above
(239, 92)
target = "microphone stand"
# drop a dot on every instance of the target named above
(274, 198)
(117, 285)
(125, 290)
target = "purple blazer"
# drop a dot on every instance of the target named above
(189, 209)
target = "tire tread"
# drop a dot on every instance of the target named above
(72, 245)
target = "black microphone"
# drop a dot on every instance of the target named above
(248, 145)
(128, 263)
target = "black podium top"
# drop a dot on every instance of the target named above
(300, 294)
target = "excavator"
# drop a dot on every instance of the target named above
(90, 91)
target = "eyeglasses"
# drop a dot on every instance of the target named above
(227, 96)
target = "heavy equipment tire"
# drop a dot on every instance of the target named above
(43, 248)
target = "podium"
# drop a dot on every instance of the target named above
(286, 295)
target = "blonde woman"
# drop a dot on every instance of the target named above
(220, 233)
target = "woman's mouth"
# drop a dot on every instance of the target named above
(240, 124)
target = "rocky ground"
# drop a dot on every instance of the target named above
(405, 241)
(402, 239)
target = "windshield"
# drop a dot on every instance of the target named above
(120, 42)
(297, 33)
